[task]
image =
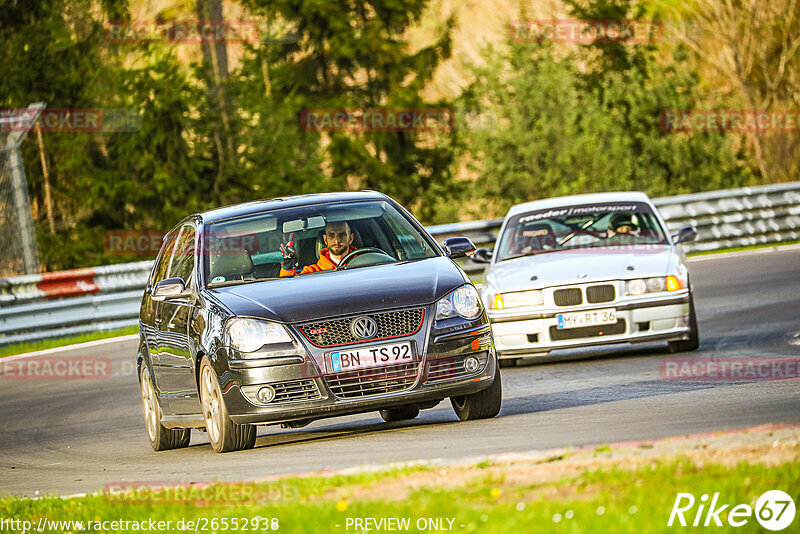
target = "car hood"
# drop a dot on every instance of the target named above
(336, 293)
(581, 266)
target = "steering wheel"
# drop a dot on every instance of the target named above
(349, 256)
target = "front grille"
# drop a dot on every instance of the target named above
(601, 293)
(567, 297)
(587, 331)
(337, 332)
(452, 368)
(297, 390)
(376, 381)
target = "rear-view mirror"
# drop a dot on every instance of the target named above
(458, 247)
(168, 288)
(687, 233)
(482, 256)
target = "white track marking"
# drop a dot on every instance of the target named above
(84, 345)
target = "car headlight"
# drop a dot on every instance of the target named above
(463, 302)
(640, 286)
(516, 299)
(248, 335)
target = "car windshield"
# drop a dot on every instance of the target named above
(247, 249)
(612, 224)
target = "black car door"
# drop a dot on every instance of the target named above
(176, 365)
(149, 320)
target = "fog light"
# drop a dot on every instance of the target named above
(266, 394)
(471, 364)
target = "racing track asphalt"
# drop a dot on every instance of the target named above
(65, 437)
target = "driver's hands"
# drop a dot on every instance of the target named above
(289, 254)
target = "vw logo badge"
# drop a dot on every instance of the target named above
(364, 327)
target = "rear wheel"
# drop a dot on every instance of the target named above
(161, 438)
(481, 405)
(224, 434)
(687, 345)
(401, 413)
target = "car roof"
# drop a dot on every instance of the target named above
(246, 208)
(574, 200)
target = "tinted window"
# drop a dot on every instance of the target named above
(182, 263)
(247, 248)
(164, 258)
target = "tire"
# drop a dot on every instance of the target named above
(401, 413)
(484, 404)
(224, 434)
(161, 438)
(688, 345)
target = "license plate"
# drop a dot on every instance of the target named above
(368, 357)
(586, 318)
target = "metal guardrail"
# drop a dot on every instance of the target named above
(111, 294)
(69, 316)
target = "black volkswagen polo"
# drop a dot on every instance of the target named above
(231, 338)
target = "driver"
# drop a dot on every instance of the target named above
(623, 223)
(339, 241)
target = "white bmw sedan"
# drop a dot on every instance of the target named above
(587, 270)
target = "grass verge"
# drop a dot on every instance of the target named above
(22, 348)
(597, 490)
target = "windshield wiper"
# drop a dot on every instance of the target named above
(573, 233)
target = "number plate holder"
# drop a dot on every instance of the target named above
(359, 358)
(586, 318)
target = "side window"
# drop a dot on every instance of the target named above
(413, 247)
(182, 262)
(164, 258)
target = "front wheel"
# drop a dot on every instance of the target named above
(693, 343)
(161, 438)
(484, 404)
(224, 434)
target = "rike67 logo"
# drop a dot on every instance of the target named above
(774, 510)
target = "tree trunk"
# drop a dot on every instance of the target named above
(48, 203)
(215, 59)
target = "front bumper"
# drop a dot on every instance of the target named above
(664, 317)
(306, 392)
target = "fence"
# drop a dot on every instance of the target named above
(17, 236)
(108, 297)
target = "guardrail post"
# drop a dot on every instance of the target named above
(19, 186)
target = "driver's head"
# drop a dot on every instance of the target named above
(624, 223)
(338, 238)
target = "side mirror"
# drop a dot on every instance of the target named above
(482, 256)
(687, 233)
(168, 288)
(458, 247)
